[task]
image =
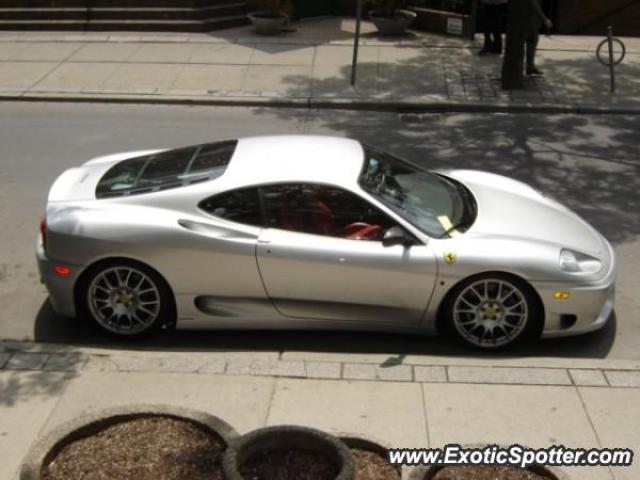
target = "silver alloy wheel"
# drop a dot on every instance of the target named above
(124, 300)
(490, 313)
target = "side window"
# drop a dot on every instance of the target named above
(241, 206)
(323, 210)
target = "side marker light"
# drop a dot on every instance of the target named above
(562, 295)
(62, 271)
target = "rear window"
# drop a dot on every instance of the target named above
(165, 170)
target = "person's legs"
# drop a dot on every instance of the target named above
(496, 27)
(532, 44)
(487, 19)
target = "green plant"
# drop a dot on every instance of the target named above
(273, 7)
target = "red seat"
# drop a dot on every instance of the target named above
(322, 218)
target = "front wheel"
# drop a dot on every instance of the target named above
(127, 299)
(492, 311)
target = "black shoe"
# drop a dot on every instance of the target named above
(534, 72)
(484, 51)
(496, 51)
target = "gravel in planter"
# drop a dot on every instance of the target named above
(145, 448)
(288, 453)
(372, 466)
(370, 460)
(487, 472)
(288, 465)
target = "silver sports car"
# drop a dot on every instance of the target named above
(317, 232)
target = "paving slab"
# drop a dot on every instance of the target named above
(292, 81)
(47, 52)
(26, 400)
(278, 368)
(26, 361)
(430, 374)
(163, 53)
(10, 50)
(76, 77)
(623, 378)
(70, 362)
(392, 412)
(541, 416)
(364, 371)
(343, 55)
(4, 357)
(222, 53)
(588, 378)
(142, 77)
(210, 78)
(241, 401)
(507, 375)
(615, 414)
(274, 54)
(22, 75)
(126, 363)
(328, 370)
(105, 52)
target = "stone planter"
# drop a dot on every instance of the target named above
(394, 26)
(427, 473)
(370, 445)
(84, 426)
(267, 23)
(287, 438)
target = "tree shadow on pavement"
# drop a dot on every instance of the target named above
(17, 385)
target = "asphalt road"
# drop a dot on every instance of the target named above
(590, 163)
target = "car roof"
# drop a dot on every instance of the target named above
(296, 158)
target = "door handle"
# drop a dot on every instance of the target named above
(264, 241)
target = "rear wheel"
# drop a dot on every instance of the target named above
(127, 299)
(492, 311)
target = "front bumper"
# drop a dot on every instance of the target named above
(588, 309)
(60, 288)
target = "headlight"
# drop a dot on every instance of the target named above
(576, 262)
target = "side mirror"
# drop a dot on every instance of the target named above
(396, 236)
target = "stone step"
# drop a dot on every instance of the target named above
(112, 3)
(100, 13)
(127, 25)
(136, 15)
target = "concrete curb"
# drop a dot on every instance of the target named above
(353, 104)
(270, 365)
(88, 424)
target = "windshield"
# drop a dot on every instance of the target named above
(434, 204)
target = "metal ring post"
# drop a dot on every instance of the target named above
(612, 66)
(356, 43)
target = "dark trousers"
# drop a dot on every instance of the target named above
(494, 17)
(531, 44)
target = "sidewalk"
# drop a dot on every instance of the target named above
(402, 404)
(307, 68)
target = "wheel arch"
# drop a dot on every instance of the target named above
(448, 297)
(81, 281)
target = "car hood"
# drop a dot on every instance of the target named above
(511, 208)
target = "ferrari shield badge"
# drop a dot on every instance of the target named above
(450, 257)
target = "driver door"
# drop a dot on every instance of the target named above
(321, 257)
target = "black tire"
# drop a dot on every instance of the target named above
(154, 295)
(469, 312)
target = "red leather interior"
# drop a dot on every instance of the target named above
(322, 218)
(369, 232)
